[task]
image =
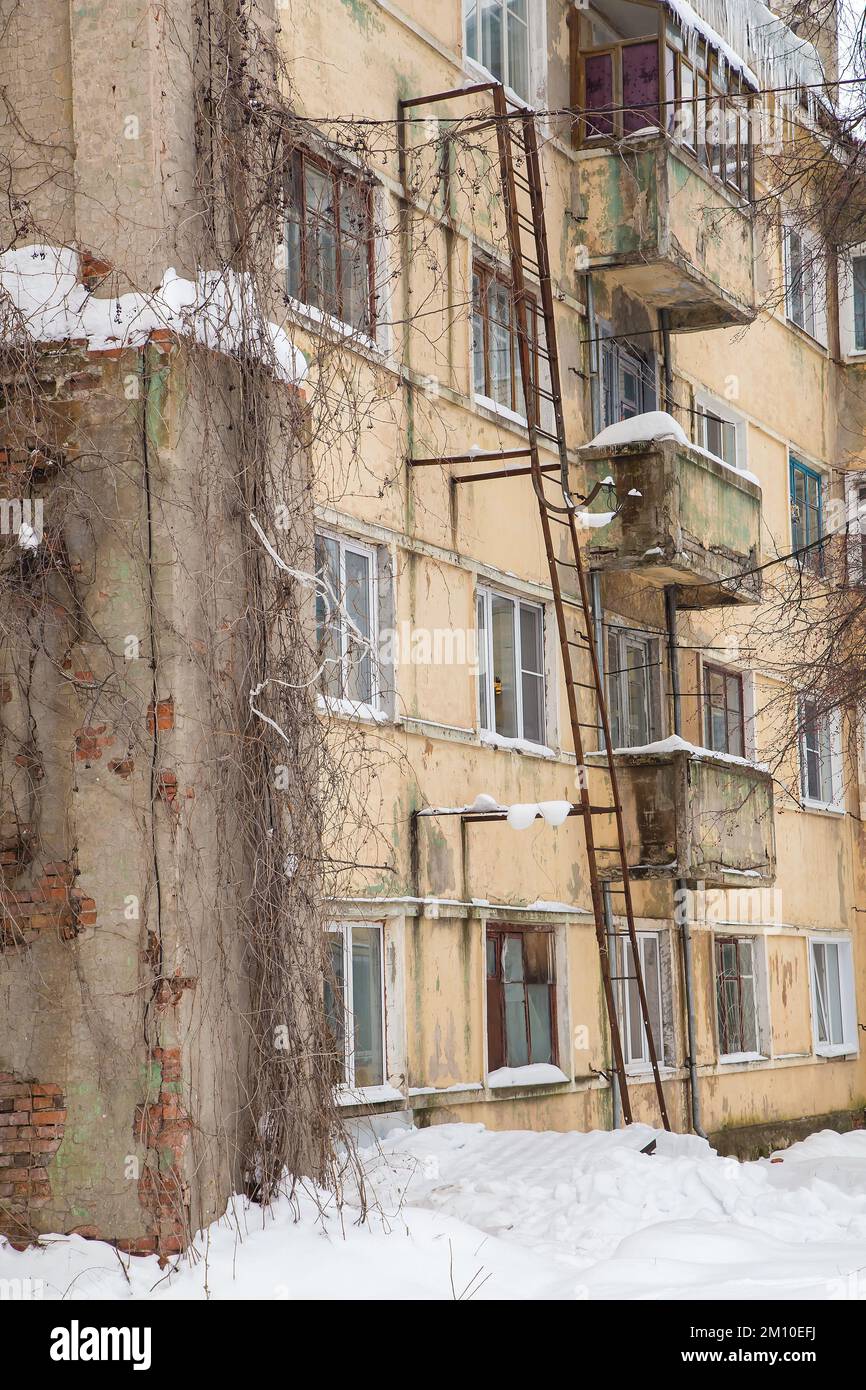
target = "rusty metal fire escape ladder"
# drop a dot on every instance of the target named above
(523, 199)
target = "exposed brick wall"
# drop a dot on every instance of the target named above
(32, 1120)
(52, 902)
(163, 1126)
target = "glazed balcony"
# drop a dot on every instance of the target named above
(694, 815)
(696, 522)
(666, 171)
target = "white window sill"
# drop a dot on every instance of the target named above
(350, 709)
(733, 1059)
(536, 1074)
(837, 1050)
(487, 403)
(827, 808)
(809, 337)
(311, 317)
(515, 745)
(367, 1095)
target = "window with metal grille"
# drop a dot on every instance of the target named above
(736, 995)
(521, 997)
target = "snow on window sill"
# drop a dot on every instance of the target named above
(516, 745)
(316, 318)
(737, 1058)
(367, 1095)
(351, 709)
(536, 1074)
(503, 411)
(839, 1051)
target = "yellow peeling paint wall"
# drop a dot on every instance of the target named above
(436, 885)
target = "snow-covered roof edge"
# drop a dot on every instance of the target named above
(40, 285)
(752, 40)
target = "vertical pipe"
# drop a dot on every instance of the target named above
(594, 373)
(668, 366)
(598, 634)
(682, 899)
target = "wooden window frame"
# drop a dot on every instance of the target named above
(812, 559)
(496, 1034)
(340, 175)
(620, 639)
(711, 668)
(487, 273)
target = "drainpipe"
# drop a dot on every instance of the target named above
(685, 927)
(598, 634)
(594, 375)
(668, 366)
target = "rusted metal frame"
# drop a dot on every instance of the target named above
(620, 832)
(485, 457)
(504, 473)
(510, 198)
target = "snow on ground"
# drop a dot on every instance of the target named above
(464, 1212)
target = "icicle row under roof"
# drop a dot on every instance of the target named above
(752, 40)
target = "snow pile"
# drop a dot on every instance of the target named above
(42, 295)
(675, 744)
(461, 1210)
(522, 814)
(536, 1074)
(640, 429)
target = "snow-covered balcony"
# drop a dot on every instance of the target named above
(687, 518)
(693, 814)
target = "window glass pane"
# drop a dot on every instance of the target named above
(491, 37)
(637, 694)
(367, 1006)
(538, 957)
(614, 691)
(500, 363)
(640, 85)
(859, 275)
(598, 75)
(795, 279)
(670, 90)
(701, 117)
(470, 9)
(504, 667)
(834, 989)
(321, 239)
(512, 958)
(335, 1006)
(516, 1041)
(359, 659)
(328, 626)
(540, 1023)
(686, 110)
(483, 666)
(479, 376)
(518, 48)
(822, 1021)
(734, 716)
(355, 256)
(636, 1038)
(294, 281)
(532, 674)
(491, 957)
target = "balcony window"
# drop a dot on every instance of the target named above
(521, 998)
(807, 522)
(628, 380)
(633, 688)
(497, 37)
(354, 1009)
(511, 666)
(717, 435)
(723, 711)
(329, 241)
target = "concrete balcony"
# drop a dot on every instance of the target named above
(694, 815)
(659, 225)
(696, 523)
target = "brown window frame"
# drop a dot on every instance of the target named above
(295, 194)
(711, 668)
(497, 1055)
(487, 273)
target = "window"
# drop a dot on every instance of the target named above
(858, 266)
(346, 619)
(807, 525)
(521, 998)
(834, 1008)
(497, 37)
(633, 680)
(628, 381)
(354, 993)
(723, 711)
(621, 88)
(820, 756)
(511, 666)
(736, 996)
(329, 236)
(803, 283)
(634, 1037)
(495, 358)
(717, 435)
(855, 493)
